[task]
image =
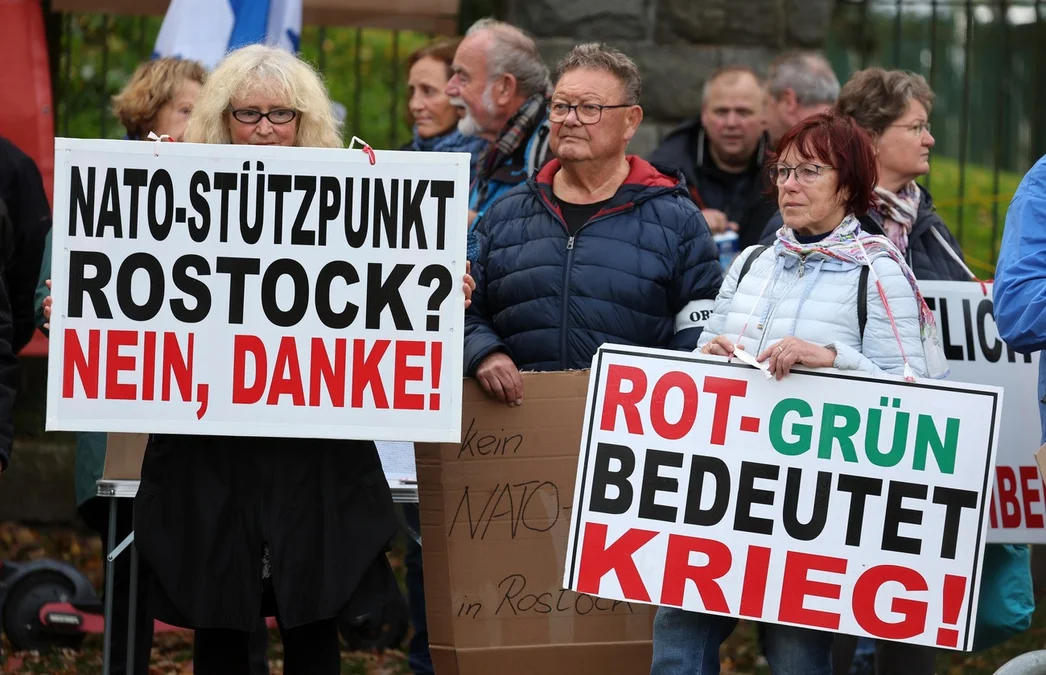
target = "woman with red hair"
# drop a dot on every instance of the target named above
(824, 295)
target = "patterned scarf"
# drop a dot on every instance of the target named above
(897, 213)
(514, 134)
(452, 141)
(842, 244)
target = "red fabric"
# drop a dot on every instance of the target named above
(642, 173)
(25, 85)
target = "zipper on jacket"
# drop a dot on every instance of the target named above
(563, 329)
(563, 325)
(763, 329)
(770, 315)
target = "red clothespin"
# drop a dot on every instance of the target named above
(366, 148)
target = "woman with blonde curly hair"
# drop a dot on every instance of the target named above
(159, 97)
(232, 527)
(261, 95)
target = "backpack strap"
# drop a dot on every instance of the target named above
(747, 265)
(537, 148)
(862, 299)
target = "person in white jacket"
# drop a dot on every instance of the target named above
(824, 295)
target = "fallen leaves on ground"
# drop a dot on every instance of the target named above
(77, 547)
(172, 655)
(172, 652)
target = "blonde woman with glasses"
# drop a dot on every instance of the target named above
(233, 528)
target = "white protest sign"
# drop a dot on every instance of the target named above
(257, 291)
(975, 354)
(829, 501)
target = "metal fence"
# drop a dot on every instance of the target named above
(986, 61)
(98, 52)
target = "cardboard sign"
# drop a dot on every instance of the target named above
(495, 509)
(966, 323)
(843, 503)
(251, 291)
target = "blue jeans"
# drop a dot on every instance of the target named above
(687, 643)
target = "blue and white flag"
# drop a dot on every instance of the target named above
(206, 30)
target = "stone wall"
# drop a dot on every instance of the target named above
(675, 43)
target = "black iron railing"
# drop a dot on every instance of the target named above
(986, 61)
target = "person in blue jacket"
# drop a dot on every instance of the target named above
(1020, 275)
(1020, 314)
(598, 247)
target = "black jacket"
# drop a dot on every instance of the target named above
(22, 244)
(634, 274)
(206, 506)
(926, 254)
(742, 198)
(8, 363)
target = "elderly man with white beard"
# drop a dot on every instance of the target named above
(503, 85)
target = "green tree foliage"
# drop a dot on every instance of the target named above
(363, 69)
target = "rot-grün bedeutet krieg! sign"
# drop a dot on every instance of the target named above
(839, 502)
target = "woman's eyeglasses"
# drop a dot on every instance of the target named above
(805, 174)
(251, 116)
(916, 129)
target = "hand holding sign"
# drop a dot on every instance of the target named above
(720, 346)
(500, 378)
(47, 306)
(792, 351)
(470, 283)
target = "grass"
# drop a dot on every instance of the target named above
(977, 217)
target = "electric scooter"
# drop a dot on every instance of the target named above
(48, 604)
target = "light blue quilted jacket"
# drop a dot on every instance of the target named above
(815, 299)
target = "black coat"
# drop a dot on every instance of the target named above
(742, 198)
(22, 243)
(207, 505)
(925, 255)
(8, 363)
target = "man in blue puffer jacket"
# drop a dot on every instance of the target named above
(598, 247)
